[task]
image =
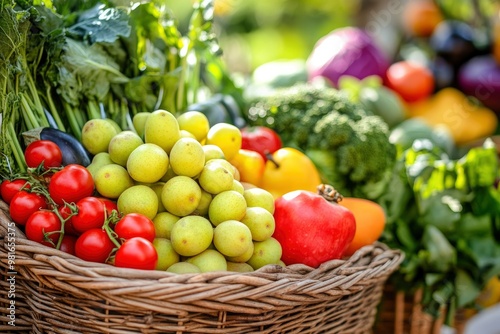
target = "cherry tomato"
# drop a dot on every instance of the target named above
(110, 205)
(68, 244)
(135, 225)
(23, 204)
(65, 212)
(94, 245)
(9, 188)
(71, 184)
(42, 226)
(410, 80)
(136, 253)
(43, 151)
(90, 214)
(260, 139)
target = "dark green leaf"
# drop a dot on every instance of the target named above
(102, 24)
(466, 289)
(438, 254)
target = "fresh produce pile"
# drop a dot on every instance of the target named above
(127, 142)
(165, 196)
(407, 130)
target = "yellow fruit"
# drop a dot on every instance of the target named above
(227, 137)
(161, 128)
(194, 122)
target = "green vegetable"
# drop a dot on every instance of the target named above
(405, 133)
(442, 212)
(375, 97)
(65, 62)
(349, 146)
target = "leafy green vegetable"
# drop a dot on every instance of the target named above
(101, 25)
(65, 62)
(442, 212)
(349, 145)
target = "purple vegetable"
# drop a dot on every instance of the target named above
(346, 51)
(480, 77)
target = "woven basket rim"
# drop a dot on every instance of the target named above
(364, 258)
(64, 293)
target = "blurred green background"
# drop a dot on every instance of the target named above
(257, 31)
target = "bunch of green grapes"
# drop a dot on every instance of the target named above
(176, 171)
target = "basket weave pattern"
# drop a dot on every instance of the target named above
(403, 313)
(64, 294)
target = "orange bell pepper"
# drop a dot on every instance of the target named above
(466, 120)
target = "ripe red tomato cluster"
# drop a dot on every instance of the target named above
(58, 207)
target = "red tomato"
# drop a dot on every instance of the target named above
(110, 205)
(68, 244)
(9, 188)
(43, 151)
(260, 139)
(410, 80)
(43, 226)
(94, 245)
(65, 212)
(23, 204)
(135, 225)
(90, 214)
(136, 253)
(71, 184)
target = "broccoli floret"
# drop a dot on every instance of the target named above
(349, 145)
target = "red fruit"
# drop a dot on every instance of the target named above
(412, 81)
(43, 226)
(94, 245)
(23, 204)
(9, 188)
(43, 151)
(260, 139)
(135, 225)
(68, 244)
(91, 214)
(137, 253)
(310, 229)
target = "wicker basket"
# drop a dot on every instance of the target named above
(64, 294)
(402, 313)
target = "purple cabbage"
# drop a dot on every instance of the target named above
(346, 51)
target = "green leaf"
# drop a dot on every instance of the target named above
(405, 236)
(481, 165)
(471, 226)
(102, 24)
(444, 293)
(466, 289)
(439, 254)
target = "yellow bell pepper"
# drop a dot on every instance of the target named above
(289, 169)
(466, 120)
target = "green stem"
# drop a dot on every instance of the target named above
(29, 118)
(182, 78)
(73, 122)
(109, 231)
(125, 114)
(121, 77)
(53, 110)
(93, 110)
(80, 116)
(130, 123)
(195, 81)
(17, 150)
(38, 107)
